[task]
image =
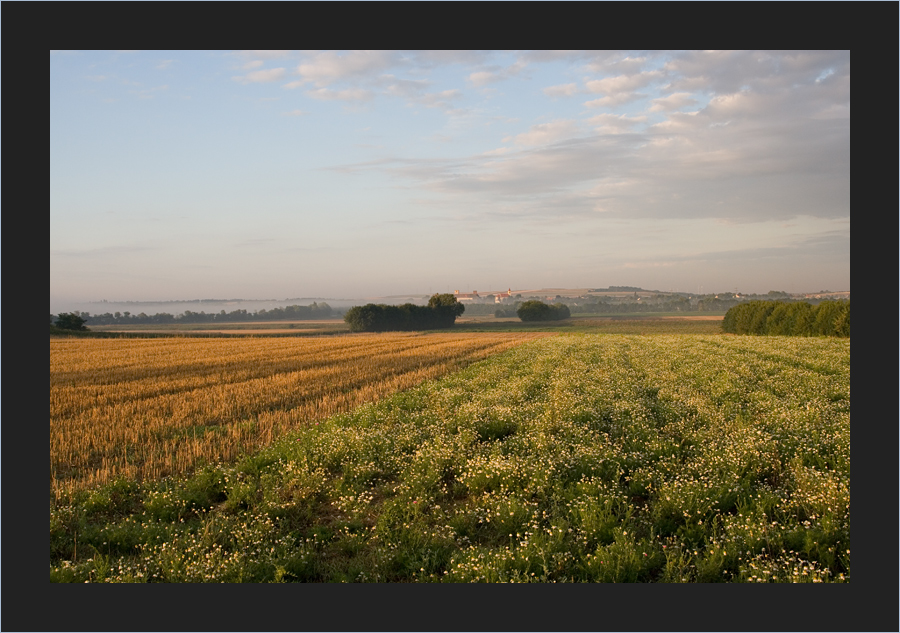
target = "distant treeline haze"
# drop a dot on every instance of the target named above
(312, 311)
(577, 305)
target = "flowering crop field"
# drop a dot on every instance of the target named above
(578, 457)
(147, 408)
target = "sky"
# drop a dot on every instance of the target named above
(272, 174)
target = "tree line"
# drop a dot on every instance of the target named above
(676, 304)
(67, 321)
(297, 312)
(440, 313)
(673, 304)
(828, 318)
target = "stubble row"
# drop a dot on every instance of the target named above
(149, 408)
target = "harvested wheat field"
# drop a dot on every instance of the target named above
(148, 408)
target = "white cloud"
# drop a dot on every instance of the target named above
(600, 61)
(622, 83)
(629, 65)
(544, 56)
(164, 64)
(728, 71)
(412, 90)
(494, 74)
(261, 76)
(329, 67)
(263, 54)
(545, 133)
(483, 78)
(433, 58)
(615, 123)
(440, 100)
(562, 90)
(615, 100)
(673, 102)
(295, 113)
(350, 94)
(744, 158)
(397, 87)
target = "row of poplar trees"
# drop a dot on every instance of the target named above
(829, 318)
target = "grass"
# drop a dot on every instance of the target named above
(601, 458)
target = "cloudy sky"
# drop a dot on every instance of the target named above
(275, 174)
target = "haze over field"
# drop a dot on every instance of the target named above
(269, 174)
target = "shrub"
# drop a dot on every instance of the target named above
(70, 321)
(440, 313)
(540, 311)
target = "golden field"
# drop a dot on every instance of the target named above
(148, 408)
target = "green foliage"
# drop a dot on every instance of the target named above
(446, 301)
(832, 318)
(70, 321)
(540, 311)
(829, 318)
(117, 497)
(440, 313)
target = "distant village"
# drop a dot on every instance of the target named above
(633, 298)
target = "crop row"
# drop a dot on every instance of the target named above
(150, 408)
(572, 458)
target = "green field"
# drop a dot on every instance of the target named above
(579, 457)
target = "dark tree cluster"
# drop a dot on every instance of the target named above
(69, 321)
(440, 313)
(828, 318)
(540, 311)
